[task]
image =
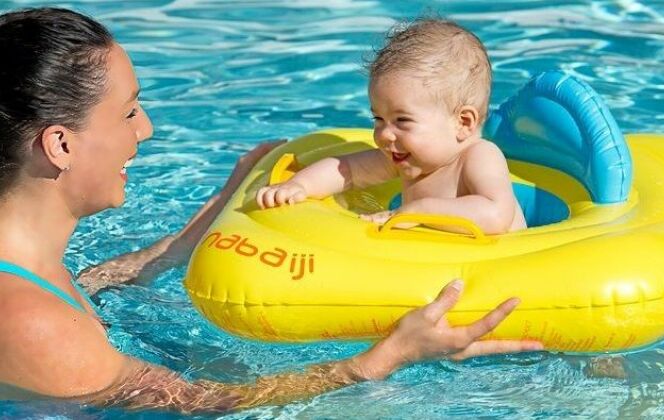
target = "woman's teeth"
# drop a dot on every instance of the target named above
(126, 165)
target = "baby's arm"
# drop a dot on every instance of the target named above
(329, 176)
(490, 202)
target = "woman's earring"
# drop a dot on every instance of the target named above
(66, 168)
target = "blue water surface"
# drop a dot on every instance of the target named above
(219, 76)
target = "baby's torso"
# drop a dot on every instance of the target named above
(444, 183)
(448, 183)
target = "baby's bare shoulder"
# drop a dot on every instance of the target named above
(484, 148)
(483, 154)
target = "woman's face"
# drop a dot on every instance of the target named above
(99, 154)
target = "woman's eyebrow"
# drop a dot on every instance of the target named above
(134, 95)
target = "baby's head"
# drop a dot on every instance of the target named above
(429, 92)
(450, 61)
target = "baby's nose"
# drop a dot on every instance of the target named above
(385, 134)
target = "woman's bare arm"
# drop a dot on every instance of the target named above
(422, 334)
(146, 386)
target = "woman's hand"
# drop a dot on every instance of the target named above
(188, 237)
(424, 333)
(246, 163)
(379, 218)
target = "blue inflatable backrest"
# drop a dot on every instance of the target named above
(562, 123)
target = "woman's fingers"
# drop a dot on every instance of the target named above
(445, 301)
(380, 217)
(491, 320)
(271, 144)
(265, 147)
(483, 348)
(249, 159)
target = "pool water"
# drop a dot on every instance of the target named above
(219, 76)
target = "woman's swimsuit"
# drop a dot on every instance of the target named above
(7, 267)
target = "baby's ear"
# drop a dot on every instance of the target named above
(467, 121)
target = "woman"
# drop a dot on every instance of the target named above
(70, 123)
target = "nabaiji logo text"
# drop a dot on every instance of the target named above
(298, 264)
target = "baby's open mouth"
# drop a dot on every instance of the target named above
(399, 157)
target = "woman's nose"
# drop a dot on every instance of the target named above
(144, 129)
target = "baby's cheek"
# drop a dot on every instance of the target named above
(436, 156)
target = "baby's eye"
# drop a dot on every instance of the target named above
(404, 119)
(376, 118)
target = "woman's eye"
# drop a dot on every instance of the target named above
(132, 114)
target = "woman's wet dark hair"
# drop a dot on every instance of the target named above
(52, 71)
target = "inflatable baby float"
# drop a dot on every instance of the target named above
(589, 270)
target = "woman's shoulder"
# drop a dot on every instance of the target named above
(31, 316)
(25, 301)
(21, 301)
(44, 343)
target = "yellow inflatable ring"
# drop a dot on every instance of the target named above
(592, 282)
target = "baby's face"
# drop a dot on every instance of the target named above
(414, 130)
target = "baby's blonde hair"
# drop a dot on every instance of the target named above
(448, 58)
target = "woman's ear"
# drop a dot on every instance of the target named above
(467, 120)
(55, 143)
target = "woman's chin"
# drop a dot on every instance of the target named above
(118, 201)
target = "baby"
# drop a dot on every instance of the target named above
(429, 91)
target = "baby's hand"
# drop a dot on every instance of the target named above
(379, 218)
(280, 194)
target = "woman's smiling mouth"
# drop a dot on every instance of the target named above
(127, 164)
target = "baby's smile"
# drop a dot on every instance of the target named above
(399, 157)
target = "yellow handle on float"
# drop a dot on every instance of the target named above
(474, 231)
(282, 170)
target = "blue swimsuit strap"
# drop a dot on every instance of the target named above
(83, 293)
(7, 267)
